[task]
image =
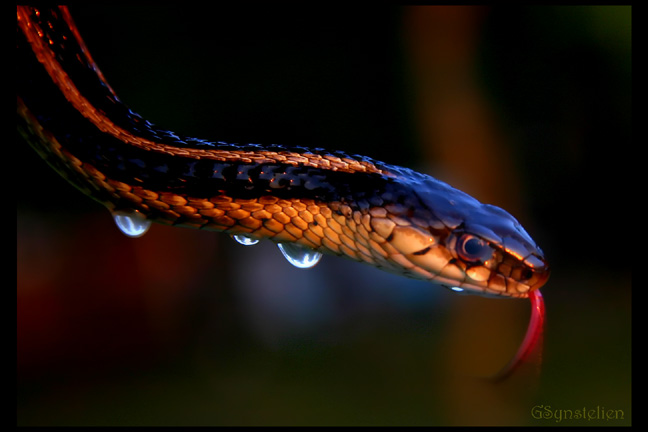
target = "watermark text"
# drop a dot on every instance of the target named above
(547, 412)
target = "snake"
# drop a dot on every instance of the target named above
(308, 199)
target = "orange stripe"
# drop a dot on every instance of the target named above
(63, 81)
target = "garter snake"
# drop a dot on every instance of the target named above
(390, 217)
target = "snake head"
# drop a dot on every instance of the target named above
(493, 243)
(452, 239)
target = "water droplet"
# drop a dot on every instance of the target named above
(245, 240)
(299, 256)
(131, 222)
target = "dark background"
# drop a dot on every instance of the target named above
(524, 107)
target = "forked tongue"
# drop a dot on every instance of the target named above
(530, 349)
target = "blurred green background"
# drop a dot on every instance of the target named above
(525, 107)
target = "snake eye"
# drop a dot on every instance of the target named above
(473, 249)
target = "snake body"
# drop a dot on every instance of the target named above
(390, 217)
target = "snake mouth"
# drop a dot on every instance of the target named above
(538, 272)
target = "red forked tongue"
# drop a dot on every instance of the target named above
(532, 343)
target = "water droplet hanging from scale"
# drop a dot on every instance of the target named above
(131, 222)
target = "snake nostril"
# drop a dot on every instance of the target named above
(526, 274)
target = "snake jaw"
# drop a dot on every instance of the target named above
(409, 240)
